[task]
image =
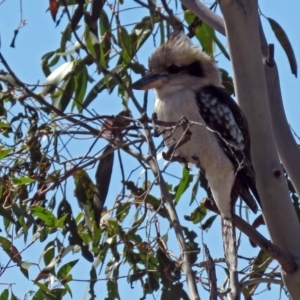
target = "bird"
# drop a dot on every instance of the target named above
(187, 83)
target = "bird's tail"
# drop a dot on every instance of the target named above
(229, 243)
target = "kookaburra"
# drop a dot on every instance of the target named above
(188, 84)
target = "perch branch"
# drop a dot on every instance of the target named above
(286, 262)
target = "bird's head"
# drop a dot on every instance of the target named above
(178, 63)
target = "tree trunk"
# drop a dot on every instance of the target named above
(242, 29)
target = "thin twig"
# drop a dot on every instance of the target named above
(211, 272)
(167, 199)
(261, 280)
(286, 262)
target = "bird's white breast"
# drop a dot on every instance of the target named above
(171, 105)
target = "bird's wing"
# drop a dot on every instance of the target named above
(223, 116)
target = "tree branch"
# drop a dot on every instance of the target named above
(205, 14)
(286, 145)
(211, 274)
(284, 259)
(43, 102)
(242, 28)
(167, 199)
(260, 280)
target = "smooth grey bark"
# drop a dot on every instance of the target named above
(205, 14)
(242, 30)
(285, 142)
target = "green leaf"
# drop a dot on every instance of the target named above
(204, 34)
(24, 271)
(177, 292)
(101, 60)
(197, 215)
(67, 287)
(22, 180)
(138, 68)
(112, 289)
(208, 223)
(227, 81)
(26, 265)
(53, 62)
(192, 246)
(185, 181)
(260, 259)
(84, 187)
(113, 227)
(49, 253)
(141, 32)
(123, 210)
(93, 277)
(220, 45)
(4, 295)
(40, 295)
(101, 85)
(45, 215)
(189, 16)
(61, 222)
(285, 43)
(105, 31)
(137, 275)
(204, 184)
(4, 153)
(80, 87)
(63, 96)
(44, 63)
(195, 190)
(66, 36)
(86, 237)
(4, 125)
(19, 210)
(259, 267)
(13, 297)
(23, 224)
(125, 43)
(96, 235)
(65, 269)
(79, 217)
(42, 286)
(162, 32)
(44, 234)
(91, 40)
(103, 179)
(104, 24)
(6, 214)
(10, 250)
(5, 244)
(57, 293)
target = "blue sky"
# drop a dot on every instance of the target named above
(40, 36)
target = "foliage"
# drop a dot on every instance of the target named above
(120, 222)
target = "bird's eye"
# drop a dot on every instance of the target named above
(173, 69)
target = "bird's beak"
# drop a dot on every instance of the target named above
(150, 81)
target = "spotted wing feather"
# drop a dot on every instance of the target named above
(224, 117)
